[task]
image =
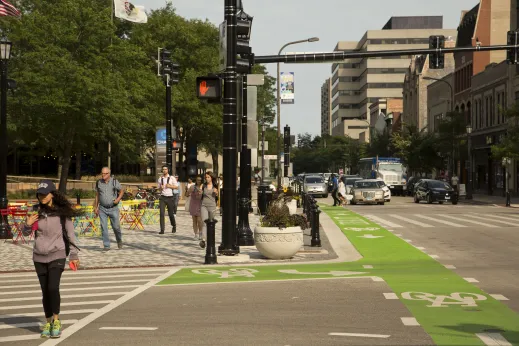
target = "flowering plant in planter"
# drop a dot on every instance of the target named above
(278, 215)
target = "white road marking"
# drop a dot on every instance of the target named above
(449, 266)
(390, 296)
(420, 248)
(31, 324)
(470, 280)
(65, 296)
(70, 289)
(95, 302)
(398, 235)
(493, 220)
(98, 313)
(409, 321)
(498, 297)
(434, 256)
(20, 338)
(382, 221)
(90, 272)
(418, 223)
(440, 221)
(367, 266)
(408, 240)
(40, 314)
(503, 217)
(468, 221)
(361, 335)
(77, 283)
(377, 279)
(493, 339)
(128, 328)
(72, 277)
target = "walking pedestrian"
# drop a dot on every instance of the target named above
(54, 241)
(166, 184)
(209, 200)
(108, 195)
(335, 190)
(455, 181)
(195, 192)
(342, 191)
(176, 196)
(220, 193)
(188, 197)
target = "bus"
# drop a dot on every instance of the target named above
(389, 169)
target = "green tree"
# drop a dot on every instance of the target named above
(509, 146)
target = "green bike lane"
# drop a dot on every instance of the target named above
(451, 310)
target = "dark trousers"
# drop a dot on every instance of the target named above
(336, 200)
(49, 275)
(170, 203)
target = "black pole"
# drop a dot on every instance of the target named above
(210, 252)
(469, 170)
(316, 235)
(245, 236)
(169, 124)
(4, 226)
(286, 150)
(340, 56)
(229, 247)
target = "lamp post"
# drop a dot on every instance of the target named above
(506, 161)
(451, 109)
(278, 145)
(5, 54)
(469, 168)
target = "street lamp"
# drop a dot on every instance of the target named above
(469, 168)
(5, 54)
(278, 145)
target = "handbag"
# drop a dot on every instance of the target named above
(188, 201)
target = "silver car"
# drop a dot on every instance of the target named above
(367, 191)
(315, 185)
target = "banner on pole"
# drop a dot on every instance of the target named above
(128, 11)
(287, 87)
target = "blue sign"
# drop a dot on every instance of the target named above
(160, 136)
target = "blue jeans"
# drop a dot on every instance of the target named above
(113, 214)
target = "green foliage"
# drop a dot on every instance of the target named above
(509, 147)
(279, 216)
(31, 194)
(380, 145)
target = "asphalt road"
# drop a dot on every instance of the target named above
(258, 313)
(480, 241)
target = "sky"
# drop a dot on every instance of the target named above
(277, 22)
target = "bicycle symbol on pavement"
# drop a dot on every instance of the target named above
(358, 229)
(226, 274)
(443, 301)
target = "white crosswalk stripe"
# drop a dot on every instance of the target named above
(452, 224)
(504, 218)
(382, 222)
(486, 219)
(19, 307)
(468, 221)
(418, 223)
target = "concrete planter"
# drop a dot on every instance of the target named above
(275, 243)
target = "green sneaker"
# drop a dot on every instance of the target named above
(56, 329)
(45, 332)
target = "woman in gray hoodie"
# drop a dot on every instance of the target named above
(54, 241)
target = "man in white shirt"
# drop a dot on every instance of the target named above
(166, 185)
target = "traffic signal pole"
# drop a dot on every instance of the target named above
(229, 247)
(169, 135)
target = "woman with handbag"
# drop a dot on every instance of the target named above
(188, 186)
(194, 194)
(54, 241)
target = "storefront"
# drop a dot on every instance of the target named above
(488, 172)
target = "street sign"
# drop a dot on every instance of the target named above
(223, 46)
(252, 103)
(209, 88)
(266, 145)
(271, 157)
(255, 79)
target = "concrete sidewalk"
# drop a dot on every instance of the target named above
(148, 248)
(486, 199)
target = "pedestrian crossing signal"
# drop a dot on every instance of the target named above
(209, 88)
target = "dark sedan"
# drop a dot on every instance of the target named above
(434, 191)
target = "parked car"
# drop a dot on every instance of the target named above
(315, 185)
(411, 182)
(435, 191)
(367, 191)
(385, 188)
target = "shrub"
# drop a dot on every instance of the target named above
(279, 216)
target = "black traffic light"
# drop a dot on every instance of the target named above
(436, 60)
(169, 70)
(175, 73)
(165, 62)
(512, 53)
(243, 33)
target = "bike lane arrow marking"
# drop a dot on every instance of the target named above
(333, 272)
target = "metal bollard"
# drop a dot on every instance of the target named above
(210, 252)
(508, 203)
(78, 198)
(316, 236)
(303, 201)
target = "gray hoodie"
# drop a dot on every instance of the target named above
(49, 244)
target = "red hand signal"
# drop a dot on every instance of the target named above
(203, 88)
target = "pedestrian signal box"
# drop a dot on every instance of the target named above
(209, 88)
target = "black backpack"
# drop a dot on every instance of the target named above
(66, 239)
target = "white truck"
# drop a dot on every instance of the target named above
(389, 169)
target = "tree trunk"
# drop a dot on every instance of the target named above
(65, 165)
(78, 165)
(214, 155)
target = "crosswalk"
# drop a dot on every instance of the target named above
(82, 293)
(462, 220)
